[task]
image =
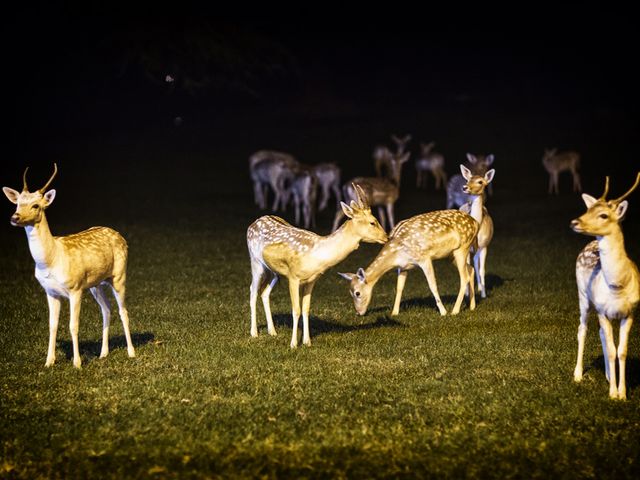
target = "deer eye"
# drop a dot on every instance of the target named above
(604, 216)
(35, 207)
(372, 224)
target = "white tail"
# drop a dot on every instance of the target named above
(416, 242)
(277, 248)
(556, 162)
(607, 279)
(478, 165)
(475, 186)
(66, 266)
(433, 162)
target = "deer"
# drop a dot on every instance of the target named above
(555, 163)
(608, 280)
(304, 191)
(478, 165)
(380, 192)
(382, 156)
(269, 168)
(475, 186)
(66, 266)
(328, 176)
(416, 242)
(277, 248)
(433, 162)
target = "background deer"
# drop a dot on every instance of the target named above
(66, 266)
(328, 176)
(271, 169)
(277, 248)
(475, 187)
(433, 162)
(304, 192)
(382, 156)
(478, 165)
(555, 163)
(380, 192)
(416, 242)
(607, 279)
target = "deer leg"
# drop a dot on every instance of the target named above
(75, 301)
(258, 273)
(54, 315)
(427, 268)
(383, 221)
(336, 191)
(324, 196)
(582, 335)
(266, 292)
(610, 354)
(625, 326)
(390, 216)
(294, 293)
(550, 190)
(119, 291)
(460, 258)
(99, 295)
(336, 220)
(402, 278)
(306, 306)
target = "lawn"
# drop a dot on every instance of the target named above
(485, 394)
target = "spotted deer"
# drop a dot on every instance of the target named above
(433, 162)
(556, 162)
(607, 279)
(478, 164)
(328, 176)
(416, 242)
(68, 265)
(270, 169)
(382, 156)
(475, 186)
(277, 248)
(380, 192)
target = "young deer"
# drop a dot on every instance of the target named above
(277, 248)
(382, 156)
(66, 266)
(416, 242)
(328, 176)
(475, 187)
(478, 165)
(433, 162)
(380, 192)
(608, 280)
(555, 162)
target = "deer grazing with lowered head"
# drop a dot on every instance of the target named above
(555, 163)
(433, 162)
(478, 164)
(66, 266)
(416, 242)
(277, 248)
(382, 156)
(607, 279)
(475, 187)
(380, 192)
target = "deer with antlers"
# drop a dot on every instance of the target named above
(555, 162)
(416, 242)
(478, 165)
(607, 279)
(433, 162)
(382, 156)
(277, 248)
(68, 265)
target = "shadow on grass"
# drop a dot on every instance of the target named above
(632, 367)
(91, 348)
(319, 325)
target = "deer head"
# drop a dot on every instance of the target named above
(359, 289)
(365, 224)
(30, 205)
(476, 183)
(602, 216)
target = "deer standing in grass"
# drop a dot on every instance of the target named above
(328, 176)
(380, 192)
(66, 266)
(433, 162)
(555, 163)
(475, 187)
(478, 164)
(304, 191)
(416, 242)
(277, 248)
(382, 156)
(607, 279)
(269, 168)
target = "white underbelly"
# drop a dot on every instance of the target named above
(52, 285)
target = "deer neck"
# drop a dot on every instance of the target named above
(615, 264)
(477, 204)
(335, 247)
(41, 243)
(384, 261)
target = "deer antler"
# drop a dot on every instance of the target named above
(24, 180)
(55, 171)
(603, 197)
(635, 185)
(362, 197)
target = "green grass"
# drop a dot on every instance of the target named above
(485, 394)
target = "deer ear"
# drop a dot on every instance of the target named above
(466, 173)
(621, 209)
(347, 276)
(348, 211)
(49, 196)
(489, 160)
(361, 275)
(472, 158)
(488, 177)
(11, 194)
(588, 200)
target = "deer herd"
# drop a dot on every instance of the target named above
(607, 279)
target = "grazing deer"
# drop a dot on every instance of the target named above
(304, 190)
(277, 248)
(608, 280)
(382, 156)
(380, 192)
(416, 242)
(433, 162)
(476, 184)
(328, 176)
(66, 266)
(555, 162)
(478, 165)
(269, 168)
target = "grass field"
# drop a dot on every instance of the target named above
(485, 394)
